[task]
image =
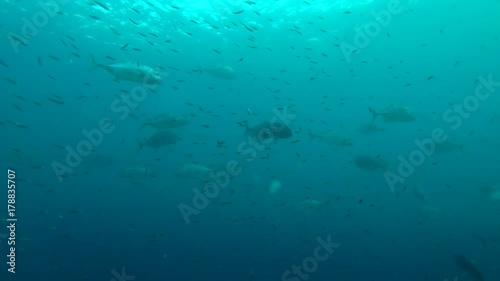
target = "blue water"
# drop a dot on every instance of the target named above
(100, 208)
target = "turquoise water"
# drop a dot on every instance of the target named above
(256, 156)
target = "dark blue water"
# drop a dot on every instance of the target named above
(99, 193)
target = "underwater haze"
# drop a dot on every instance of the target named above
(284, 140)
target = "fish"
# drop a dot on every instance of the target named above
(468, 267)
(267, 132)
(102, 6)
(369, 163)
(137, 172)
(393, 114)
(56, 100)
(332, 138)
(167, 121)
(310, 205)
(130, 72)
(10, 81)
(192, 171)
(2, 62)
(159, 139)
(220, 71)
(369, 128)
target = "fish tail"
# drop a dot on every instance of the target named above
(94, 63)
(374, 113)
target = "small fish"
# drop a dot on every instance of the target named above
(133, 21)
(294, 30)
(56, 100)
(3, 63)
(17, 39)
(102, 5)
(10, 81)
(246, 27)
(17, 107)
(54, 58)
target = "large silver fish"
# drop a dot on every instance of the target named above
(267, 132)
(221, 71)
(159, 139)
(394, 113)
(332, 138)
(128, 71)
(369, 163)
(192, 171)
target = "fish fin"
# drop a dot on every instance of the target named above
(374, 113)
(95, 64)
